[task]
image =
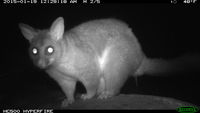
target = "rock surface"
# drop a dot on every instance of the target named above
(146, 102)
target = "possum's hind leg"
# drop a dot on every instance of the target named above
(115, 74)
(114, 80)
(91, 83)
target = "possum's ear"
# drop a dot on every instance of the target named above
(57, 29)
(27, 31)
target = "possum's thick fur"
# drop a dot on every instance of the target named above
(101, 54)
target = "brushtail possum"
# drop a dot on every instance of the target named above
(101, 54)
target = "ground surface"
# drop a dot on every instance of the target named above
(130, 102)
(24, 91)
(134, 101)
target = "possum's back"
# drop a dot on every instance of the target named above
(113, 34)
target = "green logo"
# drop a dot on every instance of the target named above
(187, 109)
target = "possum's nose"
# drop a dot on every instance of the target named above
(43, 63)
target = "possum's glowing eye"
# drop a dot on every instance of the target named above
(49, 50)
(34, 51)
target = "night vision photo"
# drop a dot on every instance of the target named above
(108, 56)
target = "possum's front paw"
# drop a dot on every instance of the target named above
(66, 102)
(105, 95)
(86, 96)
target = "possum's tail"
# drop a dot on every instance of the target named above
(188, 62)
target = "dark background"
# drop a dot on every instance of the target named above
(164, 31)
